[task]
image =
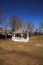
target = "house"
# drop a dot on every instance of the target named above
(20, 36)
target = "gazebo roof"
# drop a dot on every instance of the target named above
(19, 31)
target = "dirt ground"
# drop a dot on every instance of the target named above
(14, 53)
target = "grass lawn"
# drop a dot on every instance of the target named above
(19, 53)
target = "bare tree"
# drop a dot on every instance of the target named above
(30, 27)
(36, 32)
(1, 14)
(19, 24)
(41, 26)
(24, 26)
(15, 23)
(6, 31)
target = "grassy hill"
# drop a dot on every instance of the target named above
(19, 53)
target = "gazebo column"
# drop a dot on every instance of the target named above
(21, 35)
(28, 37)
(14, 35)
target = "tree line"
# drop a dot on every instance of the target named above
(15, 23)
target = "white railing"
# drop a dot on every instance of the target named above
(20, 39)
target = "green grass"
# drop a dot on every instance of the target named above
(39, 38)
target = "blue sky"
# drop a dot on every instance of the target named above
(27, 10)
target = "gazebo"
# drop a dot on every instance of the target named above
(20, 36)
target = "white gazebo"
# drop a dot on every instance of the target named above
(20, 36)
